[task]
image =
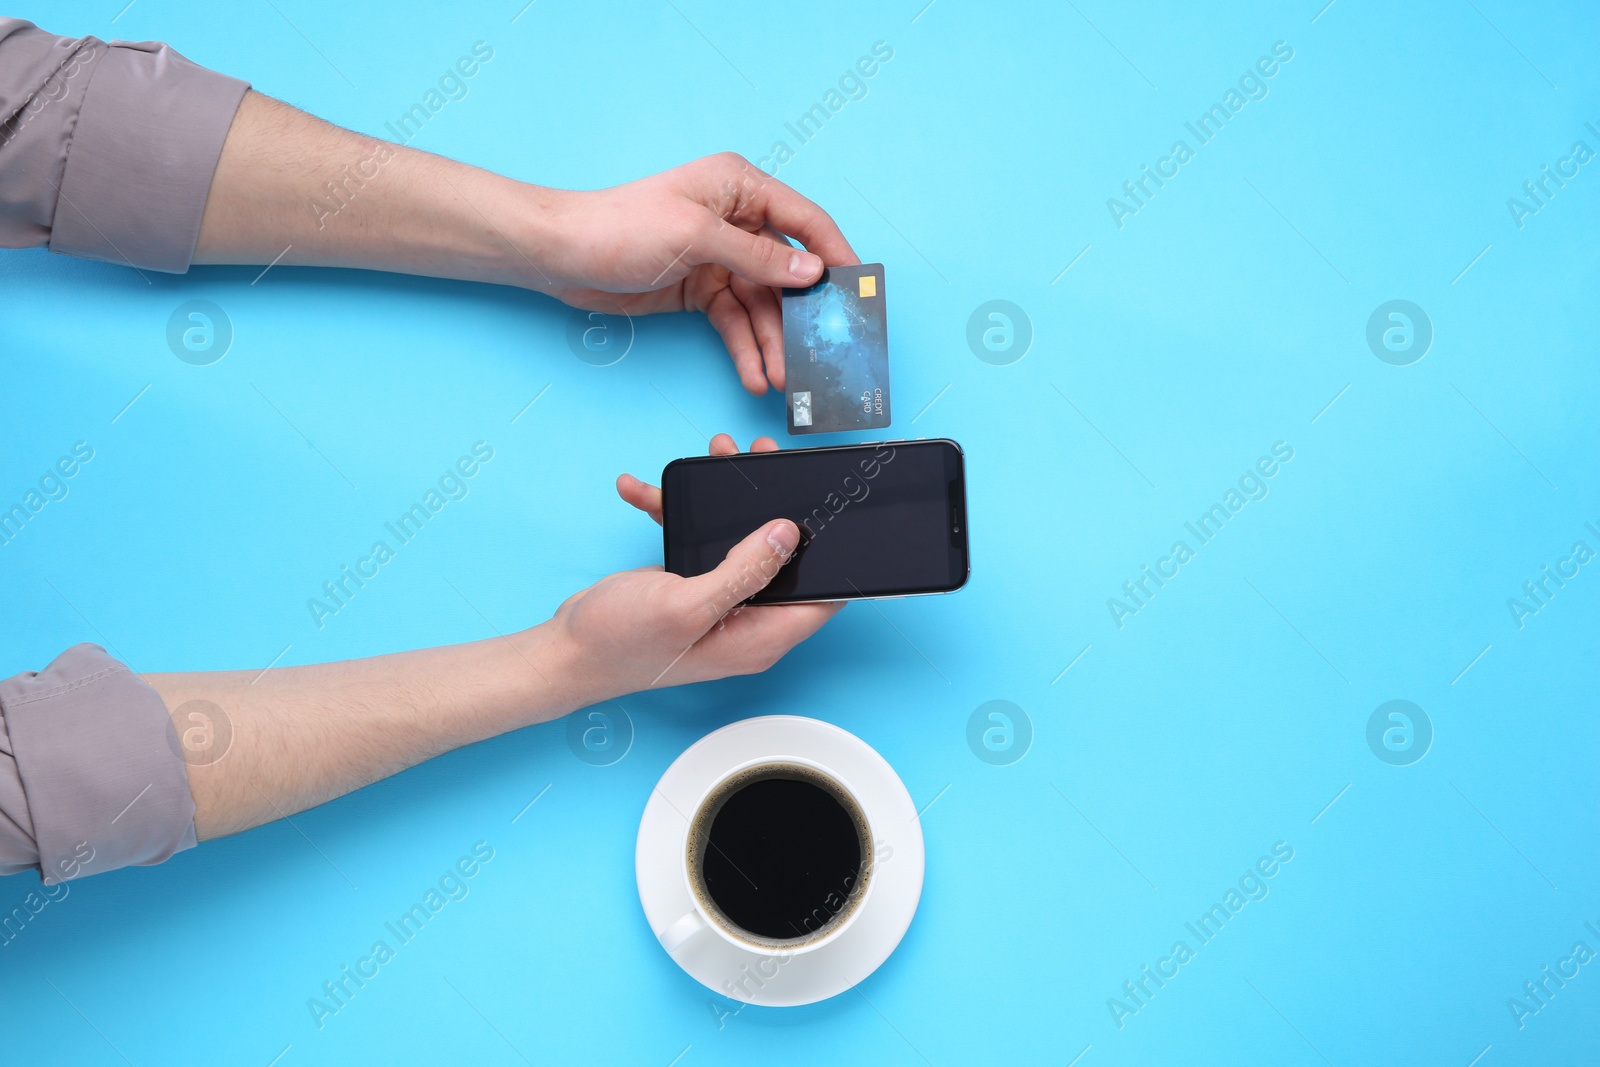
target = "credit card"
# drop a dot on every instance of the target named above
(836, 352)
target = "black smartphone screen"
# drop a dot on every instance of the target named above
(875, 520)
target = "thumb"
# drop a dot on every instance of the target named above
(762, 260)
(749, 567)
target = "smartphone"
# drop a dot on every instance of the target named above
(876, 520)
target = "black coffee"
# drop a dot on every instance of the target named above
(783, 857)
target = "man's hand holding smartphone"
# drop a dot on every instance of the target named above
(646, 629)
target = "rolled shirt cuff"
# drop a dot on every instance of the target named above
(98, 779)
(142, 157)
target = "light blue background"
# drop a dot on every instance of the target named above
(1220, 719)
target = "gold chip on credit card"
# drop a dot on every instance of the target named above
(869, 285)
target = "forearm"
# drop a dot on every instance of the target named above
(292, 189)
(101, 768)
(297, 737)
(300, 736)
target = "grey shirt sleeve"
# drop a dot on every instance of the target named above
(91, 776)
(107, 150)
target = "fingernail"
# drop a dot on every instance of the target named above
(783, 537)
(804, 265)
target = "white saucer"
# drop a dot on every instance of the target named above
(830, 969)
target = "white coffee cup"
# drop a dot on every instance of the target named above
(688, 928)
